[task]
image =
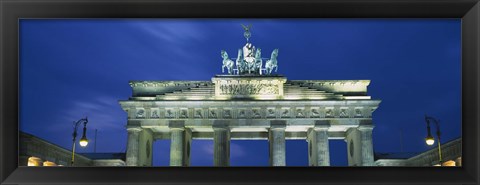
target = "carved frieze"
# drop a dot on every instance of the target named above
(212, 113)
(299, 113)
(227, 113)
(140, 113)
(285, 112)
(358, 112)
(315, 112)
(271, 112)
(344, 112)
(198, 114)
(249, 89)
(329, 113)
(255, 87)
(169, 113)
(242, 113)
(155, 113)
(183, 113)
(256, 113)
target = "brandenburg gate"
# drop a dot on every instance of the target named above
(250, 103)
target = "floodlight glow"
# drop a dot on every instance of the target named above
(83, 142)
(429, 140)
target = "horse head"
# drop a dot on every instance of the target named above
(258, 54)
(224, 55)
(239, 56)
(274, 54)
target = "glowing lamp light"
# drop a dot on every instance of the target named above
(83, 142)
(34, 161)
(48, 163)
(429, 140)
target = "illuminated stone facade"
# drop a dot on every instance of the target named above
(38, 152)
(264, 107)
(451, 156)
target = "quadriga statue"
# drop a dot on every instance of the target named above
(227, 63)
(248, 57)
(240, 63)
(272, 63)
(258, 61)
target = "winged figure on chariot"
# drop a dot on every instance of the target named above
(249, 59)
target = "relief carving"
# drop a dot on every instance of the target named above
(343, 113)
(198, 113)
(271, 113)
(213, 114)
(183, 113)
(329, 113)
(169, 114)
(155, 114)
(241, 113)
(358, 113)
(300, 113)
(315, 113)
(256, 113)
(285, 113)
(140, 113)
(249, 89)
(227, 113)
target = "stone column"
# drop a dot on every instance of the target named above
(458, 161)
(132, 146)
(276, 138)
(318, 147)
(145, 148)
(367, 145)
(180, 144)
(360, 146)
(221, 142)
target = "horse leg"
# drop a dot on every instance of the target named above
(260, 68)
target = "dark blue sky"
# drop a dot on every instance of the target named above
(70, 69)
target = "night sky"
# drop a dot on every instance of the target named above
(70, 69)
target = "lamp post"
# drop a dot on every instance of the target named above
(83, 141)
(430, 140)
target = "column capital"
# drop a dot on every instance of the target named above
(221, 124)
(366, 127)
(278, 124)
(365, 122)
(321, 125)
(176, 124)
(221, 144)
(134, 129)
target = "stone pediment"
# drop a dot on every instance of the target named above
(235, 87)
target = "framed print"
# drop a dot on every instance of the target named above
(239, 92)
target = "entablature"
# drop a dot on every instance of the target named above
(249, 109)
(230, 87)
(297, 127)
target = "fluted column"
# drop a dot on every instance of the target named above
(318, 147)
(360, 146)
(221, 142)
(276, 138)
(176, 146)
(367, 145)
(132, 146)
(180, 144)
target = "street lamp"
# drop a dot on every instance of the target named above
(83, 141)
(430, 140)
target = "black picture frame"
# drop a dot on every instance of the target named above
(12, 10)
